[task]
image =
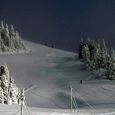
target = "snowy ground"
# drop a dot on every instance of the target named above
(15, 110)
(51, 72)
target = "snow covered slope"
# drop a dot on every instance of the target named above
(15, 110)
(51, 72)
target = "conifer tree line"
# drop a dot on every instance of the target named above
(10, 39)
(97, 55)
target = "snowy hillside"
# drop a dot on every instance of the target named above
(51, 72)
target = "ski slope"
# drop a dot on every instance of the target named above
(16, 110)
(51, 72)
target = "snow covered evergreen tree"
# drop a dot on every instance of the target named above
(8, 89)
(112, 54)
(91, 45)
(86, 53)
(80, 49)
(10, 40)
(2, 25)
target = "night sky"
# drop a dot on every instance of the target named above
(61, 22)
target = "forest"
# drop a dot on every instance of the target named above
(96, 55)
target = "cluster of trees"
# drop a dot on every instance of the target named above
(8, 89)
(9, 93)
(97, 55)
(10, 40)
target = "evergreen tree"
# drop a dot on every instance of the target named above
(86, 53)
(112, 54)
(80, 49)
(12, 30)
(105, 52)
(92, 49)
(2, 25)
(97, 55)
(7, 30)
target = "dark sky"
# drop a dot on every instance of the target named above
(61, 22)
